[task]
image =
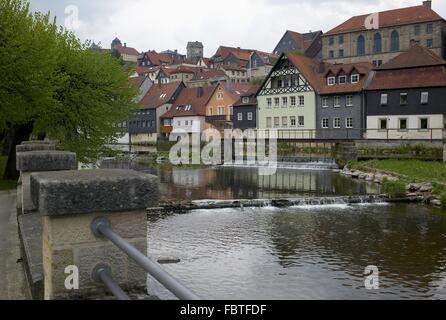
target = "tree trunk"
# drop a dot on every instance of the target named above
(18, 134)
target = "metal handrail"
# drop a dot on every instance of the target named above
(102, 274)
(101, 227)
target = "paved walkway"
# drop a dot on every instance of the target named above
(12, 276)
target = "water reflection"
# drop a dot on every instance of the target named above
(246, 183)
(303, 253)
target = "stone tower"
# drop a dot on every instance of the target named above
(194, 50)
(116, 43)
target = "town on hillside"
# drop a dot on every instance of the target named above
(350, 82)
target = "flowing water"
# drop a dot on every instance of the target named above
(313, 250)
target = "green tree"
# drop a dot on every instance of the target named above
(52, 85)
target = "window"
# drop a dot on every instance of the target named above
(331, 41)
(325, 123)
(331, 54)
(284, 121)
(403, 99)
(269, 102)
(240, 116)
(284, 102)
(429, 43)
(403, 124)
(336, 123)
(337, 102)
(324, 102)
(276, 122)
(424, 123)
(331, 81)
(220, 96)
(268, 122)
(417, 30)
(360, 46)
(210, 111)
(301, 101)
(293, 101)
(349, 101)
(342, 79)
(383, 124)
(377, 43)
(349, 123)
(341, 39)
(394, 41)
(245, 100)
(280, 83)
(276, 102)
(377, 63)
(341, 53)
(293, 121)
(424, 97)
(249, 116)
(301, 121)
(354, 78)
(429, 28)
(384, 99)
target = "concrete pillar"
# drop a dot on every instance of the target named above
(69, 201)
(444, 152)
(35, 158)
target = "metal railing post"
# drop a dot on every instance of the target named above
(101, 228)
(102, 274)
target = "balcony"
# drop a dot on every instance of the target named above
(220, 118)
(166, 129)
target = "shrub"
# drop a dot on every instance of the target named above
(394, 189)
(443, 200)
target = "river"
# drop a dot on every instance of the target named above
(307, 252)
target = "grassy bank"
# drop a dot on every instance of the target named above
(5, 184)
(408, 170)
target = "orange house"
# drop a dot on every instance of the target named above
(219, 109)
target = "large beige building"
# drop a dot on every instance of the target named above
(379, 37)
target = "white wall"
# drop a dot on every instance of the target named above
(195, 124)
(436, 122)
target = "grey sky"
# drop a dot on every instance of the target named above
(170, 24)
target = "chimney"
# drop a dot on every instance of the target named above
(321, 67)
(229, 85)
(199, 92)
(412, 42)
(428, 4)
(125, 45)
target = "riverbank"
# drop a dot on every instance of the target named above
(418, 176)
(5, 184)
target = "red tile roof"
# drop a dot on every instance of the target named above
(415, 56)
(208, 74)
(159, 94)
(251, 94)
(196, 98)
(241, 54)
(127, 50)
(418, 67)
(389, 18)
(159, 59)
(361, 68)
(303, 42)
(185, 69)
(137, 81)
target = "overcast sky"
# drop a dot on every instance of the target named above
(170, 24)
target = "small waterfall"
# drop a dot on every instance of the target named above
(286, 203)
(288, 163)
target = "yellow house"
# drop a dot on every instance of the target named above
(219, 109)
